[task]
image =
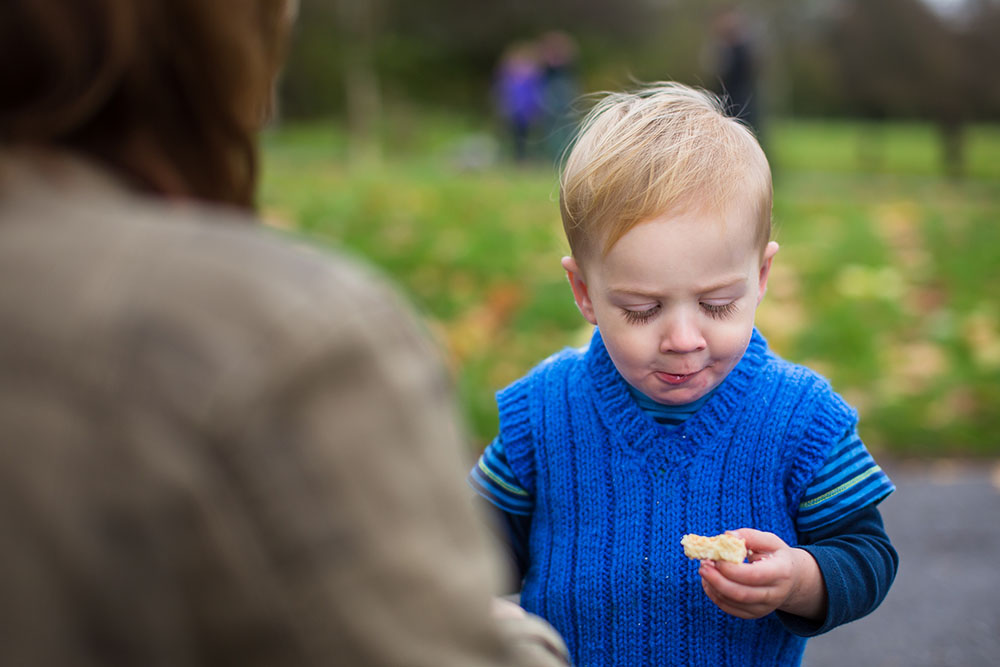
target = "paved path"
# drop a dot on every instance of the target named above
(944, 608)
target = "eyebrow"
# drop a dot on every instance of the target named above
(714, 287)
(723, 284)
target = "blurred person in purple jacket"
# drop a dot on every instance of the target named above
(519, 90)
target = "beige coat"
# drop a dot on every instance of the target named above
(220, 448)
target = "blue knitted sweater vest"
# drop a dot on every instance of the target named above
(615, 491)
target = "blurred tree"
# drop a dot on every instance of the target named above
(313, 81)
(369, 61)
(898, 58)
(332, 69)
(982, 45)
(359, 27)
(437, 52)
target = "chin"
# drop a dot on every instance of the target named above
(678, 396)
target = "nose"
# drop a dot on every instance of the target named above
(681, 334)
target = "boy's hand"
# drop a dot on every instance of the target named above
(776, 577)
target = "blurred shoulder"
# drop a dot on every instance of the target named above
(272, 293)
(203, 296)
(58, 207)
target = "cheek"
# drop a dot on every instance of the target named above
(627, 345)
(731, 337)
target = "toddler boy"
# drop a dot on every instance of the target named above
(678, 419)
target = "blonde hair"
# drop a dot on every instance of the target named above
(666, 148)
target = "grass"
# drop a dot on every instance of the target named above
(886, 281)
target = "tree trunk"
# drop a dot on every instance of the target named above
(871, 145)
(361, 84)
(952, 132)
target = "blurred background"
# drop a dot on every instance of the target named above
(426, 135)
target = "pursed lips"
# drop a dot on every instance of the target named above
(675, 378)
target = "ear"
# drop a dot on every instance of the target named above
(765, 269)
(578, 283)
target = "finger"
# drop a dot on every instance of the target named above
(728, 606)
(761, 595)
(776, 571)
(763, 572)
(759, 541)
(724, 586)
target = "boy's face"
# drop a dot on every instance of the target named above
(675, 299)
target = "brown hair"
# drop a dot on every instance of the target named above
(664, 148)
(169, 93)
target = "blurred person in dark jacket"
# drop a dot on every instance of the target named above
(560, 89)
(736, 65)
(217, 447)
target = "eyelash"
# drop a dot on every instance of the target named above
(640, 316)
(720, 312)
(643, 316)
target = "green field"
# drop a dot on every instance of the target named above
(886, 282)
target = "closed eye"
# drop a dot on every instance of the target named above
(640, 316)
(720, 311)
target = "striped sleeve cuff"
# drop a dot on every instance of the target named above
(493, 479)
(849, 480)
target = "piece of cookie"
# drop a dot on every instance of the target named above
(727, 546)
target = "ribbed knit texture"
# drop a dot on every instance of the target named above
(615, 492)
